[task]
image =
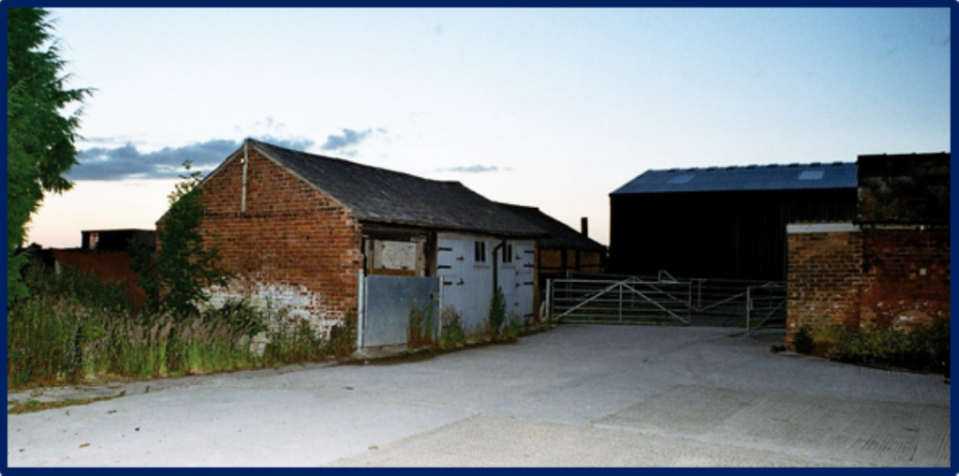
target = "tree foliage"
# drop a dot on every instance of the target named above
(176, 281)
(40, 136)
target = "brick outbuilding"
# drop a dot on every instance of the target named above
(303, 231)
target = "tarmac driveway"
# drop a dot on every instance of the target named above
(572, 396)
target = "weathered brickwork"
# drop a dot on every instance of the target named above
(874, 278)
(905, 277)
(293, 247)
(824, 278)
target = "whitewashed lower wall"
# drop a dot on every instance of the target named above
(285, 305)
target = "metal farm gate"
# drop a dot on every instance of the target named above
(665, 300)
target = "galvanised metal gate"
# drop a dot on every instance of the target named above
(634, 300)
(386, 304)
(766, 307)
(665, 300)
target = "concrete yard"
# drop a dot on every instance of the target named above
(576, 395)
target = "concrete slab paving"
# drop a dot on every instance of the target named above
(572, 396)
(500, 442)
(840, 429)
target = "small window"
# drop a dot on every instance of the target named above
(508, 253)
(479, 250)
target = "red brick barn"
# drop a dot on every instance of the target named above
(304, 232)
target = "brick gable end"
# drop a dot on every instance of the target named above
(294, 247)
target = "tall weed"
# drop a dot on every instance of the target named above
(73, 327)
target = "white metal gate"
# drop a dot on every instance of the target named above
(631, 300)
(666, 300)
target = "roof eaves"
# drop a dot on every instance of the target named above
(534, 232)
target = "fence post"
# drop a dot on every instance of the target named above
(620, 303)
(549, 301)
(749, 308)
(699, 294)
(361, 311)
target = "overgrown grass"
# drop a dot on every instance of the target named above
(74, 328)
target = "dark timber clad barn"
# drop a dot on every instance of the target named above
(723, 222)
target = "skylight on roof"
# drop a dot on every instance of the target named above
(679, 179)
(811, 175)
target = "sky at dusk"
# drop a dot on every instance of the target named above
(552, 108)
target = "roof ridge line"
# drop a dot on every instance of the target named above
(349, 162)
(714, 168)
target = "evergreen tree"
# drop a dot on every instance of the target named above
(40, 137)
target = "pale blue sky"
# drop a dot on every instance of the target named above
(553, 108)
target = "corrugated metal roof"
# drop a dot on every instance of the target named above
(384, 196)
(746, 178)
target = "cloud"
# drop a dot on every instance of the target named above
(348, 139)
(126, 162)
(473, 169)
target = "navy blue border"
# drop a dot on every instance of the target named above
(484, 3)
(500, 3)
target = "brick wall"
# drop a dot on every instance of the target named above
(824, 276)
(294, 246)
(879, 277)
(905, 277)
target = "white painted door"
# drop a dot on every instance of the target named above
(467, 280)
(516, 278)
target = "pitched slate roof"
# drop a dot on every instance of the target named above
(561, 236)
(384, 196)
(748, 178)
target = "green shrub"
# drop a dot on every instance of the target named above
(497, 312)
(342, 341)
(924, 348)
(451, 333)
(802, 341)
